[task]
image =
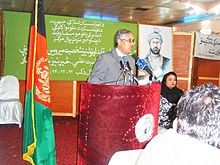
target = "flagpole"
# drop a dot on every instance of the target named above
(33, 69)
(32, 147)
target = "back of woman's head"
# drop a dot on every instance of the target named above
(199, 114)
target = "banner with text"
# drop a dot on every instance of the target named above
(73, 44)
(207, 46)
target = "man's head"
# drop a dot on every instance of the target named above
(155, 41)
(198, 114)
(124, 41)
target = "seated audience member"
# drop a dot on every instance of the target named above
(170, 96)
(197, 138)
(169, 89)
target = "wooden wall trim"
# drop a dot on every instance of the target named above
(63, 114)
(183, 33)
(190, 69)
(183, 78)
(209, 78)
(75, 94)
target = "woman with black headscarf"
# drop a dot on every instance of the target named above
(170, 96)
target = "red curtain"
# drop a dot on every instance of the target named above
(110, 120)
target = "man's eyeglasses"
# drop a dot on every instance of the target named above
(130, 40)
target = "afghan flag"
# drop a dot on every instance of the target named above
(38, 135)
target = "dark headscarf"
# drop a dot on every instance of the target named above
(172, 95)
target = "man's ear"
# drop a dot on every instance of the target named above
(119, 41)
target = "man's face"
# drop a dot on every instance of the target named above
(125, 44)
(155, 46)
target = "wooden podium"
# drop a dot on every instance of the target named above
(115, 118)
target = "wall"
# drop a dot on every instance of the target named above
(191, 71)
(73, 45)
(206, 71)
(2, 57)
(63, 97)
(182, 56)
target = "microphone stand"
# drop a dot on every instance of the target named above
(133, 78)
(130, 72)
(121, 73)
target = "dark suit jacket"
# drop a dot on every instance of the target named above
(107, 70)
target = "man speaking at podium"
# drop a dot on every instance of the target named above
(116, 67)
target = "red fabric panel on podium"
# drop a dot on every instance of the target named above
(110, 120)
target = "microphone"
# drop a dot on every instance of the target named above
(135, 57)
(128, 69)
(126, 63)
(120, 60)
(143, 65)
(122, 65)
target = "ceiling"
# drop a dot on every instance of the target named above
(155, 12)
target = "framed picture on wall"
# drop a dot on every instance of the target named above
(155, 47)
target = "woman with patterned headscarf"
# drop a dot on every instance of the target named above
(170, 96)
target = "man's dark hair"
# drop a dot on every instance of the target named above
(120, 35)
(198, 114)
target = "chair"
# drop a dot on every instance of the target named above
(10, 105)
